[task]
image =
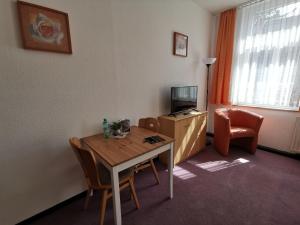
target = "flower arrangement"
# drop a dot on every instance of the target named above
(120, 128)
(115, 128)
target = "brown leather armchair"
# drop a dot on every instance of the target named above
(237, 126)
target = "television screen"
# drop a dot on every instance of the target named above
(183, 98)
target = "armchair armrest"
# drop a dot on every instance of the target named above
(221, 131)
(221, 123)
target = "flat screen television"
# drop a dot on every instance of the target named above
(183, 98)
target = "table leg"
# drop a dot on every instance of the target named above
(116, 196)
(170, 169)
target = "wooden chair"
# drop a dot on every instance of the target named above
(150, 124)
(98, 177)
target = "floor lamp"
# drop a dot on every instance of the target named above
(208, 62)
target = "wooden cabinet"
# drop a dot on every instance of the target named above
(189, 132)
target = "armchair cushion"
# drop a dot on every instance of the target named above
(239, 132)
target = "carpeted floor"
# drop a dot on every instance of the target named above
(242, 189)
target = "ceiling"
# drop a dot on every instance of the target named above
(216, 6)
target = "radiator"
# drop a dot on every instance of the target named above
(295, 145)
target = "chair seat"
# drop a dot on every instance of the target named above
(239, 132)
(105, 178)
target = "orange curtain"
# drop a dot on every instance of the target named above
(224, 51)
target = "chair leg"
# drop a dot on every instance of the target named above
(131, 196)
(103, 206)
(87, 198)
(132, 188)
(154, 171)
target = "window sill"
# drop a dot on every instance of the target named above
(268, 108)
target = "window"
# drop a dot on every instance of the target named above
(266, 61)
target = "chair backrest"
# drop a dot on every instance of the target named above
(87, 161)
(75, 144)
(149, 123)
(241, 118)
(245, 118)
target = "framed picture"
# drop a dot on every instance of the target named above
(44, 29)
(180, 44)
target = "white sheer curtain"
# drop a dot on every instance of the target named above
(266, 61)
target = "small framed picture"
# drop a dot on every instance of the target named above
(44, 29)
(180, 44)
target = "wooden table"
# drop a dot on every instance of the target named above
(120, 154)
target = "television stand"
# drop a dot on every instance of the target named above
(189, 131)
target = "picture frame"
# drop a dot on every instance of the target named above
(44, 29)
(180, 44)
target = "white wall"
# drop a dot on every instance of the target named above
(143, 48)
(278, 125)
(122, 66)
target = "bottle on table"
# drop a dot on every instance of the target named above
(105, 127)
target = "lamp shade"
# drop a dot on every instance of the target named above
(209, 61)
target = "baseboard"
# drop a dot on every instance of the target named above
(280, 152)
(269, 149)
(52, 209)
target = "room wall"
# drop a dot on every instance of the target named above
(278, 125)
(121, 67)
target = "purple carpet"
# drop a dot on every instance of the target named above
(241, 189)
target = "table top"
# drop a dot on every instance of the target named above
(116, 151)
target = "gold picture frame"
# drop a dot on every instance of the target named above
(44, 29)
